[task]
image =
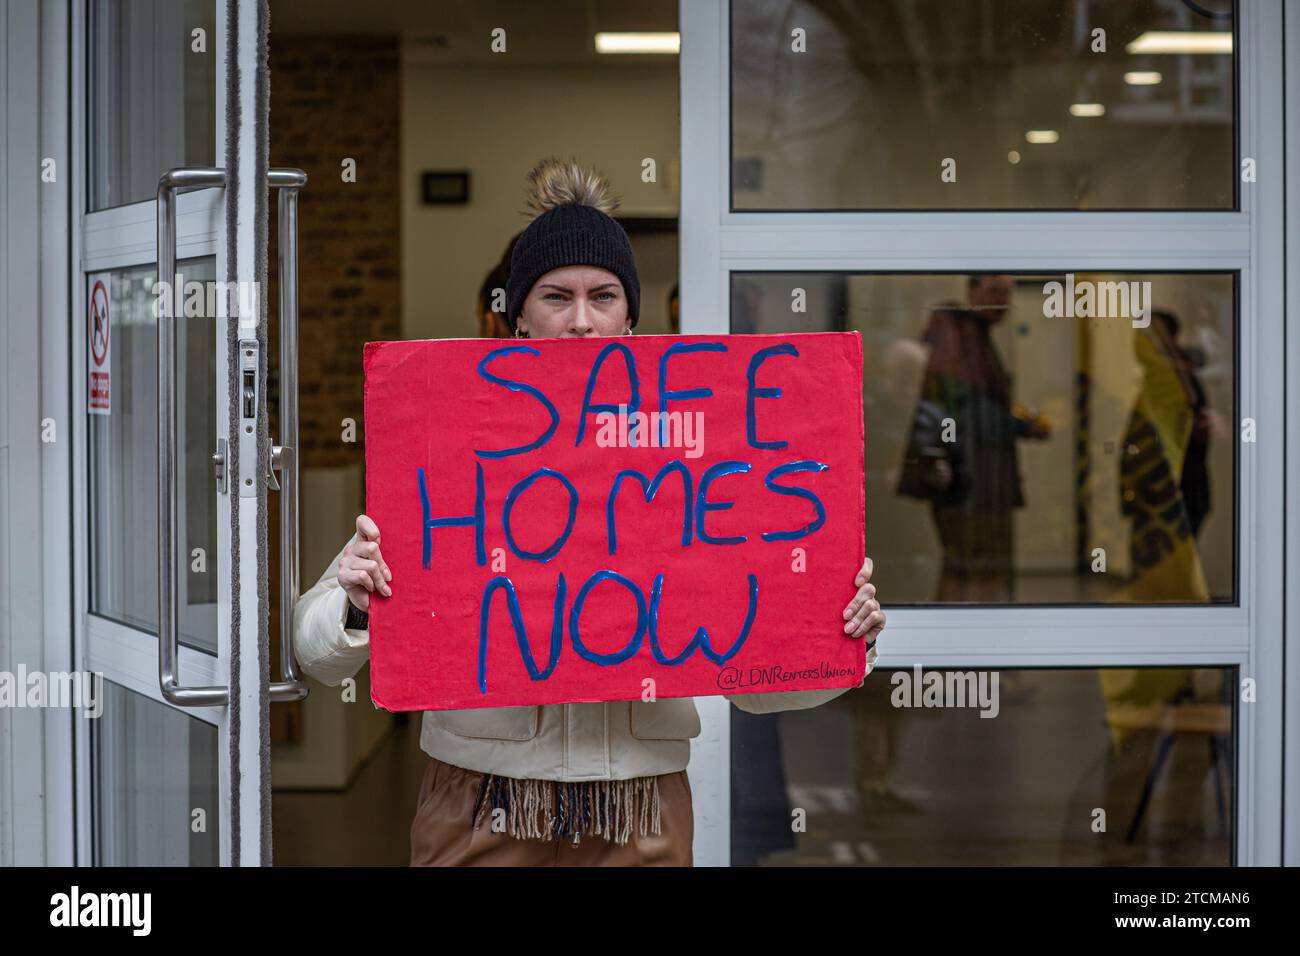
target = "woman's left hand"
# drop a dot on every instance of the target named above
(863, 616)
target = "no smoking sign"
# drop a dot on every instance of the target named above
(98, 330)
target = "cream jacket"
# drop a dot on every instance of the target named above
(606, 741)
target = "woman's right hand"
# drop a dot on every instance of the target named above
(362, 570)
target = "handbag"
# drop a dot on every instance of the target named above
(918, 477)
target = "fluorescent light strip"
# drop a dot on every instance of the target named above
(638, 42)
(1040, 136)
(1186, 41)
(1142, 78)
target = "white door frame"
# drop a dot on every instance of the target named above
(57, 589)
(116, 238)
(716, 242)
(35, 752)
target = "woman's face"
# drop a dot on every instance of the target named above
(574, 302)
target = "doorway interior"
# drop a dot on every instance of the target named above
(441, 131)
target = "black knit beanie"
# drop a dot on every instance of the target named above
(572, 229)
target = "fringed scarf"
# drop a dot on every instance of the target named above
(551, 809)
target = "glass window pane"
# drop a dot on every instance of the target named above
(1036, 439)
(883, 780)
(931, 104)
(123, 461)
(155, 769)
(151, 95)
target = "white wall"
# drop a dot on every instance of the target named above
(497, 123)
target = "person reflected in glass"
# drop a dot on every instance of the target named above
(963, 455)
(1206, 423)
(1164, 482)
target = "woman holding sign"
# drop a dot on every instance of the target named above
(562, 784)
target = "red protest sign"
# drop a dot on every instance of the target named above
(568, 520)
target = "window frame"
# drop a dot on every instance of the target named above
(715, 241)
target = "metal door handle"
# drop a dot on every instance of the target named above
(289, 181)
(168, 636)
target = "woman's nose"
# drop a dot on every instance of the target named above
(580, 318)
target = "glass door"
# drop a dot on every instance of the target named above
(1048, 230)
(170, 374)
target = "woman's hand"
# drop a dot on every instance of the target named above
(362, 570)
(863, 617)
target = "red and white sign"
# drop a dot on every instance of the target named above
(541, 554)
(98, 330)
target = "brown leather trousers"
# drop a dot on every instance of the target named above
(443, 831)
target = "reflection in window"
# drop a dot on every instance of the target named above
(152, 94)
(1151, 748)
(934, 104)
(1049, 439)
(123, 469)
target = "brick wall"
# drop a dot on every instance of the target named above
(333, 98)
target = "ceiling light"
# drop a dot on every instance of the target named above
(1087, 109)
(1183, 41)
(1042, 136)
(1142, 78)
(638, 42)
